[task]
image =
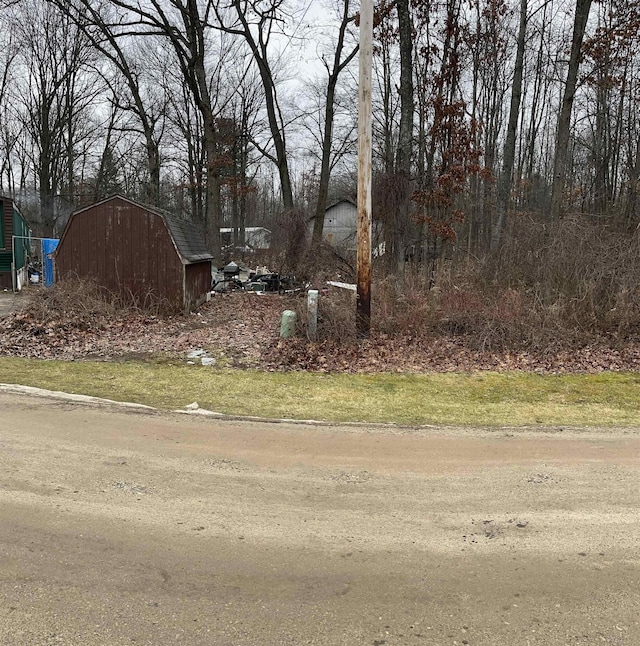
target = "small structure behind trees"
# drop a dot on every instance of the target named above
(140, 253)
(340, 224)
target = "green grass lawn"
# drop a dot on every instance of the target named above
(511, 399)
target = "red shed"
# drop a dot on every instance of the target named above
(136, 250)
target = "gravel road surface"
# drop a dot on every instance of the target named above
(156, 529)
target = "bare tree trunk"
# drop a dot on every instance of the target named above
(327, 140)
(258, 47)
(70, 135)
(214, 206)
(474, 182)
(325, 171)
(405, 135)
(601, 151)
(634, 181)
(508, 161)
(388, 107)
(564, 118)
(244, 164)
(617, 144)
(539, 96)
(387, 143)
(363, 259)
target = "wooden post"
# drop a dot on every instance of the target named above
(363, 279)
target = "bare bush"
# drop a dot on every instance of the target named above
(549, 288)
(75, 303)
(404, 307)
(81, 304)
(579, 277)
(289, 237)
(336, 316)
(327, 263)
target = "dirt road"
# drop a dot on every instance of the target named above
(129, 528)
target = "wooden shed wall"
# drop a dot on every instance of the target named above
(6, 229)
(125, 248)
(197, 283)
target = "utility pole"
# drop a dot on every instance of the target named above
(363, 279)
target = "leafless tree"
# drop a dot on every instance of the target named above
(338, 64)
(256, 24)
(57, 91)
(581, 16)
(9, 126)
(505, 182)
(99, 24)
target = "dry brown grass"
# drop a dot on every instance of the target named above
(76, 303)
(550, 288)
(82, 304)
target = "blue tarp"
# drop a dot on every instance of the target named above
(49, 245)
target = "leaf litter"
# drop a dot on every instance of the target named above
(241, 330)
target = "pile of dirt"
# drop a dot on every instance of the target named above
(242, 330)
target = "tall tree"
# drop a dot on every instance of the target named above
(96, 22)
(566, 107)
(405, 134)
(505, 183)
(186, 27)
(54, 57)
(255, 23)
(333, 73)
(186, 131)
(8, 134)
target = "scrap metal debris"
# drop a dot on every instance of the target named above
(234, 276)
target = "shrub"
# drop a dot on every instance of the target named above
(549, 287)
(81, 304)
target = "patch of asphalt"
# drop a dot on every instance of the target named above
(7, 303)
(5, 310)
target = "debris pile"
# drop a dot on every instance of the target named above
(233, 277)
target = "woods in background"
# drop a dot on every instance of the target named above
(238, 114)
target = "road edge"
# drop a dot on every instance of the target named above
(194, 410)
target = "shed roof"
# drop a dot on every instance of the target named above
(186, 236)
(343, 200)
(188, 239)
(247, 229)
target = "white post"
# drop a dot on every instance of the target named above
(287, 324)
(312, 314)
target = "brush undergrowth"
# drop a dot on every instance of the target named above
(549, 288)
(81, 304)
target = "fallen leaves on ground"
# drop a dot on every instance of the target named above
(242, 330)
